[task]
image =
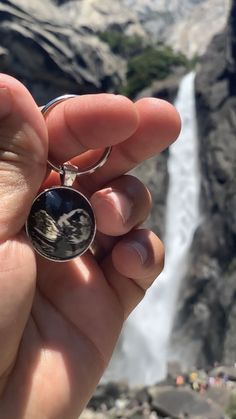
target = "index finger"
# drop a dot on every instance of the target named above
(89, 122)
(159, 126)
(137, 131)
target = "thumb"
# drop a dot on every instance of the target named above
(23, 154)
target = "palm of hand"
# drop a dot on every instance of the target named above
(59, 322)
(64, 338)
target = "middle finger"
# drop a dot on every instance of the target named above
(89, 122)
(139, 130)
(124, 204)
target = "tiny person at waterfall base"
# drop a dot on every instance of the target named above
(59, 322)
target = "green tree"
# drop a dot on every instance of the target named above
(144, 63)
(121, 44)
(154, 63)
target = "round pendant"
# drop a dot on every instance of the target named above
(61, 224)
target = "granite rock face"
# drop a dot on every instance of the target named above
(98, 16)
(206, 324)
(50, 55)
(187, 25)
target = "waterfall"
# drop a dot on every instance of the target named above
(142, 353)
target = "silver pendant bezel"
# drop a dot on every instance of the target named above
(91, 240)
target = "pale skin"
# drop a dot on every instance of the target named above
(59, 322)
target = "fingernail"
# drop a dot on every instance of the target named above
(121, 202)
(5, 101)
(140, 250)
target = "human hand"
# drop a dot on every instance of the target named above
(59, 322)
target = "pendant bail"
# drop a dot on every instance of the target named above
(68, 174)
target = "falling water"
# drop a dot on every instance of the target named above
(142, 352)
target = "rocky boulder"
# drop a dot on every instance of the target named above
(210, 399)
(183, 402)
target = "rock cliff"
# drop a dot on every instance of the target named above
(50, 55)
(187, 25)
(206, 324)
(103, 15)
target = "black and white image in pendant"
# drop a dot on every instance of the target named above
(61, 223)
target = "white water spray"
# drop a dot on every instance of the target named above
(142, 352)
